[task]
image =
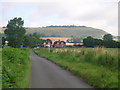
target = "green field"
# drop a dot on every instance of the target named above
(97, 66)
(15, 68)
(80, 32)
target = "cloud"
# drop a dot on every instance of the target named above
(94, 13)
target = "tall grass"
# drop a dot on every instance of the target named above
(0, 68)
(97, 66)
(15, 68)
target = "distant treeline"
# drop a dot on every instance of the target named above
(15, 36)
(107, 42)
(43, 35)
(65, 26)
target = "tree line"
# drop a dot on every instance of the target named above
(107, 42)
(16, 36)
(65, 26)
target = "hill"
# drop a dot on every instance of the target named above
(67, 31)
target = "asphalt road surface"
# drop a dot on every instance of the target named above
(45, 74)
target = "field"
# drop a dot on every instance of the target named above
(15, 68)
(80, 32)
(97, 66)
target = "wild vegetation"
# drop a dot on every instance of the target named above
(15, 35)
(107, 42)
(31, 40)
(15, 68)
(15, 32)
(0, 68)
(97, 66)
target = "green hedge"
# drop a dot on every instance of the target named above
(15, 67)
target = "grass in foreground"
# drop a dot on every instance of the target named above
(0, 68)
(15, 68)
(97, 66)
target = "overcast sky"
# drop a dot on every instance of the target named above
(101, 14)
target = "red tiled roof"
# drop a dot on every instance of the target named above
(56, 38)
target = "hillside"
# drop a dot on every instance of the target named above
(68, 31)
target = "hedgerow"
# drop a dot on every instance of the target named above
(15, 67)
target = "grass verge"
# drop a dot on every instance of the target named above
(15, 68)
(86, 63)
(0, 68)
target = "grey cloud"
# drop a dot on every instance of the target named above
(88, 12)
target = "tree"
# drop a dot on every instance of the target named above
(107, 37)
(15, 32)
(109, 42)
(89, 41)
(3, 40)
(30, 41)
(92, 42)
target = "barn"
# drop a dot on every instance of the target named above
(56, 41)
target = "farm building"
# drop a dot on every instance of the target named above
(54, 39)
(47, 44)
(59, 42)
(55, 44)
(73, 43)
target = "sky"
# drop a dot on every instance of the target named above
(101, 14)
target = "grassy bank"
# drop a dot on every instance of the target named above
(15, 68)
(97, 66)
(0, 68)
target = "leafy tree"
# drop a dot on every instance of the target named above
(107, 42)
(110, 44)
(98, 42)
(3, 40)
(36, 34)
(89, 41)
(107, 37)
(15, 32)
(27, 41)
(30, 41)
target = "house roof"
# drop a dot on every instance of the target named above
(56, 38)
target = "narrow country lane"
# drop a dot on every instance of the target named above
(45, 74)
